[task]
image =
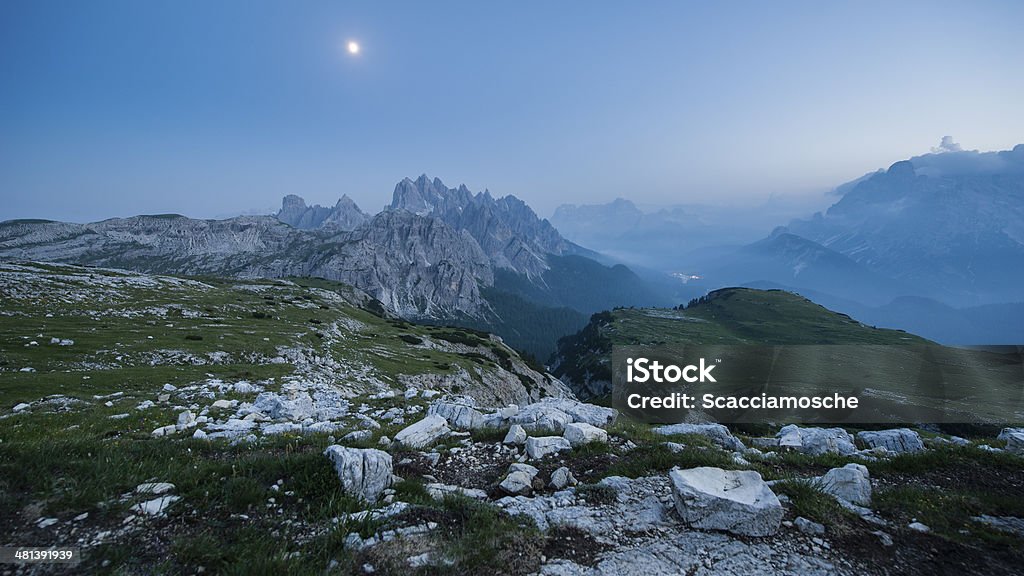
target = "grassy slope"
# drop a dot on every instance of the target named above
(727, 316)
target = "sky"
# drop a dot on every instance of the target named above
(207, 108)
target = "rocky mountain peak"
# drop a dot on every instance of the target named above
(345, 215)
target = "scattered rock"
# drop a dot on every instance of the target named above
(539, 447)
(816, 441)
(423, 433)
(541, 418)
(850, 483)
(734, 501)
(439, 491)
(516, 435)
(919, 527)
(519, 480)
(156, 506)
(186, 420)
(357, 436)
(1015, 443)
(717, 433)
(809, 527)
(899, 440)
(461, 415)
(580, 433)
(363, 472)
(562, 478)
(295, 406)
(156, 488)
(165, 430)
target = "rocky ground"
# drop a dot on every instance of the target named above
(274, 444)
(418, 481)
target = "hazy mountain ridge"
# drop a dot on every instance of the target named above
(950, 225)
(345, 215)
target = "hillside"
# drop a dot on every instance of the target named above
(726, 316)
(127, 328)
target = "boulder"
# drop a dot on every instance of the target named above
(1004, 434)
(809, 527)
(539, 447)
(165, 430)
(562, 478)
(717, 433)
(580, 433)
(540, 417)
(438, 491)
(423, 433)
(519, 480)
(295, 406)
(899, 440)
(582, 412)
(364, 472)
(186, 420)
(1015, 443)
(734, 501)
(850, 483)
(516, 435)
(156, 506)
(461, 416)
(816, 441)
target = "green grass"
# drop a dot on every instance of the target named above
(809, 501)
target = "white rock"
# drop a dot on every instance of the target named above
(508, 411)
(156, 506)
(735, 501)
(580, 433)
(1015, 443)
(165, 430)
(582, 412)
(717, 433)
(21, 406)
(411, 393)
(224, 404)
(460, 415)
(516, 435)
(919, 527)
(851, 483)
(539, 447)
(46, 522)
(169, 388)
(439, 491)
(809, 527)
(541, 417)
(186, 420)
(295, 405)
(357, 436)
(898, 440)
(816, 441)
(364, 472)
(423, 433)
(282, 428)
(156, 488)
(199, 434)
(562, 478)
(520, 479)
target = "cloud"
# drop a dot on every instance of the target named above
(947, 145)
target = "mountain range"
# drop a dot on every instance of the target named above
(436, 254)
(933, 244)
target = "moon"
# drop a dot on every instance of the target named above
(353, 47)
